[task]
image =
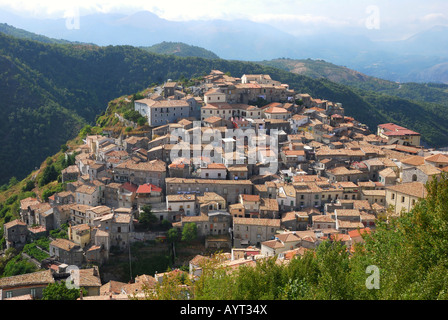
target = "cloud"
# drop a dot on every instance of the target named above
(304, 19)
(434, 18)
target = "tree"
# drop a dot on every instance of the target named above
(29, 185)
(147, 218)
(60, 291)
(17, 266)
(189, 232)
(50, 174)
(12, 182)
(173, 235)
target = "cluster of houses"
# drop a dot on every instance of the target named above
(333, 177)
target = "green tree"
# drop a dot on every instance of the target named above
(333, 263)
(60, 291)
(29, 185)
(147, 217)
(189, 232)
(173, 235)
(50, 174)
(17, 266)
(12, 182)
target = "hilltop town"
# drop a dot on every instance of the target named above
(260, 169)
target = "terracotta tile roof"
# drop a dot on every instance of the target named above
(210, 196)
(28, 202)
(122, 218)
(237, 168)
(377, 193)
(181, 197)
(199, 218)
(150, 166)
(414, 161)
(88, 278)
(393, 129)
(438, 158)
(29, 279)
(207, 181)
(216, 166)
(250, 197)
(388, 172)
(129, 186)
(112, 286)
(415, 189)
(288, 237)
(322, 218)
(64, 244)
(100, 209)
(86, 189)
(80, 207)
(347, 212)
(257, 222)
(274, 244)
(358, 233)
(428, 169)
(212, 119)
(276, 110)
(269, 204)
(148, 188)
(349, 225)
(14, 223)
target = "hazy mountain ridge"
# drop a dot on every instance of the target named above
(317, 69)
(403, 61)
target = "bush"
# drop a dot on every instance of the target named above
(29, 185)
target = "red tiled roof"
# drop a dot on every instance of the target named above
(148, 188)
(129, 186)
(395, 130)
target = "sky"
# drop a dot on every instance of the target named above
(386, 20)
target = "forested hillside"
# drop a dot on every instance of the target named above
(48, 91)
(180, 49)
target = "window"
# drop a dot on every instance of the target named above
(402, 199)
(33, 292)
(8, 294)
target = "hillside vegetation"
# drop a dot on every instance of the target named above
(180, 49)
(49, 91)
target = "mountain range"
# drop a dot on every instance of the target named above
(50, 89)
(420, 58)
